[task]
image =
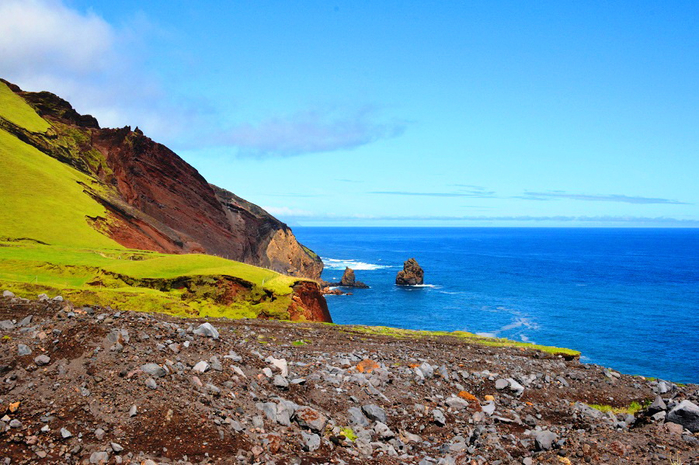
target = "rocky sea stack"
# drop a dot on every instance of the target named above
(411, 274)
(349, 280)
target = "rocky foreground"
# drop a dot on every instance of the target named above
(92, 385)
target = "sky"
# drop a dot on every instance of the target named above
(386, 113)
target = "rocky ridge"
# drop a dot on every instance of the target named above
(91, 385)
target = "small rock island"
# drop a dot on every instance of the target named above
(411, 274)
(349, 280)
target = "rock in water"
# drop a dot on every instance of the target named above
(348, 278)
(411, 274)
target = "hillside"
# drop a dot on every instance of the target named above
(133, 190)
(109, 217)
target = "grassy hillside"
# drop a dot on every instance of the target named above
(184, 285)
(47, 243)
(14, 109)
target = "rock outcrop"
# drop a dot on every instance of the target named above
(411, 274)
(157, 201)
(349, 280)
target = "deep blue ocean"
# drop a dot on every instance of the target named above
(625, 298)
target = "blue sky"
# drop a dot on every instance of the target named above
(394, 113)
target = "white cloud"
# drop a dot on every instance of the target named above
(315, 130)
(44, 37)
(96, 66)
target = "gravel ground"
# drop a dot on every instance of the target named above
(93, 385)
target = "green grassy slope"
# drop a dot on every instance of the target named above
(14, 109)
(48, 245)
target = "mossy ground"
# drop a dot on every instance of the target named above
(463, 335)
(185, 285)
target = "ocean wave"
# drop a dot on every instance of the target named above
(340, 264)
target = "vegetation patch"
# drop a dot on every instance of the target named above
(462, 335)
(185, 285)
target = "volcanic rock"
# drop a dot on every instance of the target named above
(349, 280)
(411, 274)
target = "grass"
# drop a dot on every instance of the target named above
(14, 109)
(184, 285)
(43, 199)
(631, 409)
(463, 335)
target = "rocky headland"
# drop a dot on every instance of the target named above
(411, 274)
(93, 385)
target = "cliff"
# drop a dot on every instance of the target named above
(155, 200)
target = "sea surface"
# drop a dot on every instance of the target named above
(625, 298)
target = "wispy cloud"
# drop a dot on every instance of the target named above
(557, 195)
(471, 194)
(311, 131)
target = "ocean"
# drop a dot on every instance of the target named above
(626, 298)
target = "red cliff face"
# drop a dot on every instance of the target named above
(157, 201)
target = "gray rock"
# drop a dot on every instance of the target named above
(15, 423)
(685, 414)
(215, 364)
(202, 367)
(356, 417)
(438, 417)
(427, 370)
(280, 382)
(65, 434)
(207, 330)
(488, 407)
(310, 418)
(116, 447)
(383, 431)
(58, 298)
(133, 411)
(544, 439)
(23, 350)
(99, 434)
(42, 360)
(457, 403)
(8, 294)
(501, 384)
(374, 412)
(311, 441)
(151, 384)
(658, 405)
(26, 321)
(279, 363)
(99, 457)
(6, 325)
(660, 416)
(42, 297)
(154, 369)
(515, 387)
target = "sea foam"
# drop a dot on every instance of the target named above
(340, 264)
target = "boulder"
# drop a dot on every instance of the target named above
(411, 274)
(685, 414)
